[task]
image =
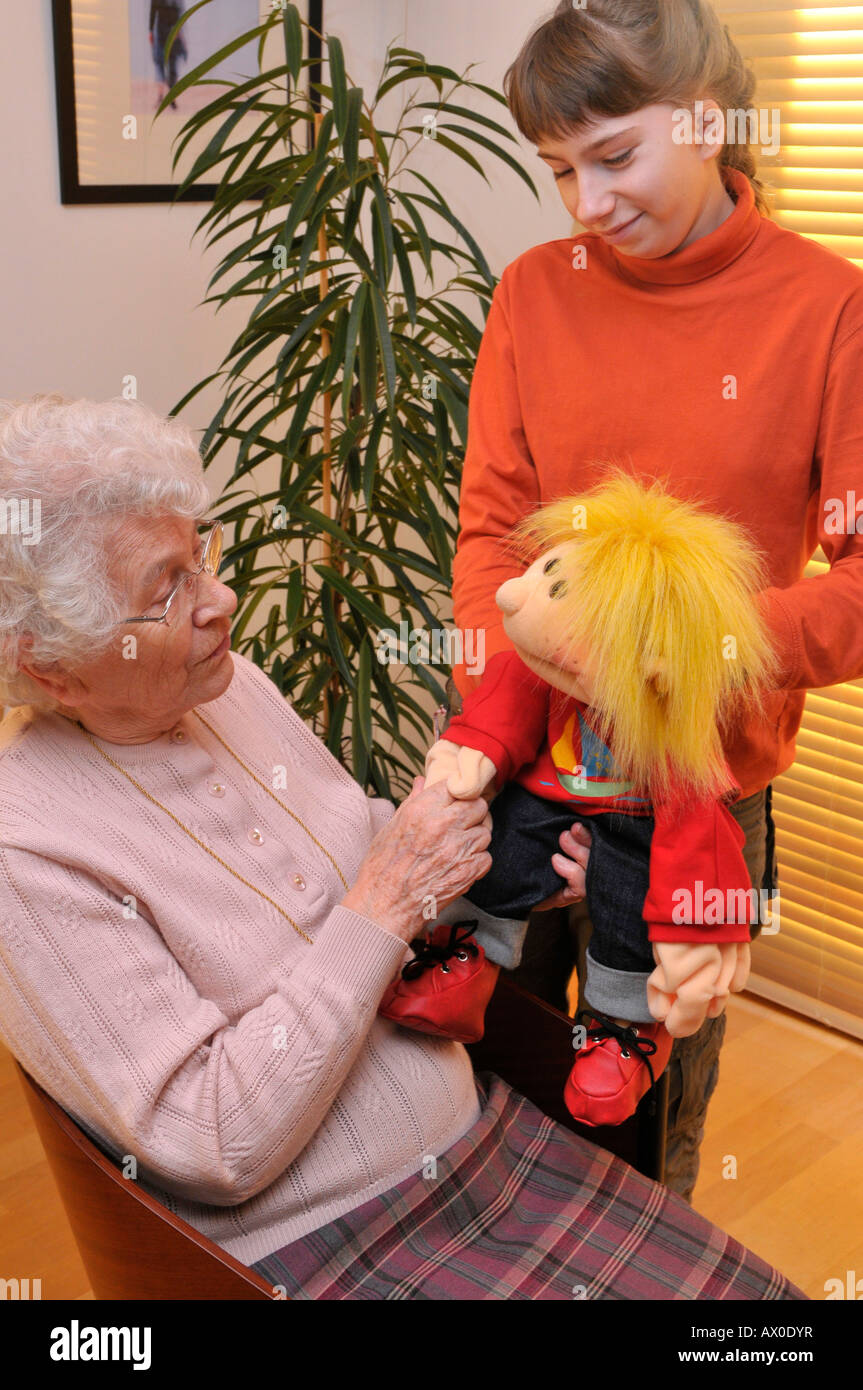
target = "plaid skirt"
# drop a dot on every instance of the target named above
(522, 1208)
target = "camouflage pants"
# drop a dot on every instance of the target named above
(556, 943)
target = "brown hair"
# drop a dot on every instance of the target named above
(615, 56)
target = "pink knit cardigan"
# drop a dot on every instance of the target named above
(175, 1014)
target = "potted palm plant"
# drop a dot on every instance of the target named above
(346, 391)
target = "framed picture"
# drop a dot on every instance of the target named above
(112, 72)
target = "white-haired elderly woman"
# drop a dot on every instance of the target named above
(191, 959)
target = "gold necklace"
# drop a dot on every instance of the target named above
(271, 793)
(206, 848)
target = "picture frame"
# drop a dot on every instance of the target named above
(106, 68)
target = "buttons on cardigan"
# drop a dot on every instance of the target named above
(216, 789)
(179, 736)
(256, 836)
(299, 881)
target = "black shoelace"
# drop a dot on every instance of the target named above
(629, 1040)
(427, 955)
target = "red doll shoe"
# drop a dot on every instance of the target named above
(613, 1069)
(445, 990)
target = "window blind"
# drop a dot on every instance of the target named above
(814, 963)
(809, 65)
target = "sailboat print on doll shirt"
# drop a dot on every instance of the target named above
(575, 764)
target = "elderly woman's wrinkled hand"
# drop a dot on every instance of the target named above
(428, 854)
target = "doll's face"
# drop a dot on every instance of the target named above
(534, 621)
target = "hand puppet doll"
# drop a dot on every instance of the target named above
(637, 642)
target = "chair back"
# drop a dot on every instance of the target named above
(131, 1246)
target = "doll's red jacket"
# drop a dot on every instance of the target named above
(700, 888)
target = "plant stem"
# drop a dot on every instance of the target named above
(326, 344)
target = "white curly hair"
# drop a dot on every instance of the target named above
(71, 471)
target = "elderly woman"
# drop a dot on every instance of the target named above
(191, 958)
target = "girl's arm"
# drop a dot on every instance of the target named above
(818, 622)
(499, 486)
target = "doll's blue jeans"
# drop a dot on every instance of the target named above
(525, 833)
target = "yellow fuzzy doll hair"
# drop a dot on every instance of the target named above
(663, 594)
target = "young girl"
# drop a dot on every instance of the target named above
(682, 332)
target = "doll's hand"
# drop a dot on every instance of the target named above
(441, 761)
(466, 771)
(692, 981)
(571, 864)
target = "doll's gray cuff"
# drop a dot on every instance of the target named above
(502, 938)
(619, 993)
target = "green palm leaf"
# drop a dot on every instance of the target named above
(293, 40)
(337, 330)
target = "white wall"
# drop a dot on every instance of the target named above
(505, 218)
(91, 294)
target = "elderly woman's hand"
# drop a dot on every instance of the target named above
(431, 851)
(435, 847)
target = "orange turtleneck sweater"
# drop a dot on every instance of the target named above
(734, 370)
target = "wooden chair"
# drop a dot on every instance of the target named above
(132, 1247)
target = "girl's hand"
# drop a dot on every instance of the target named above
(571, 865)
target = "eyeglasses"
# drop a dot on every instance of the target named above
(209, 561)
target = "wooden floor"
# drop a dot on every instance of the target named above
(787, 1113)
(789, 1108)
